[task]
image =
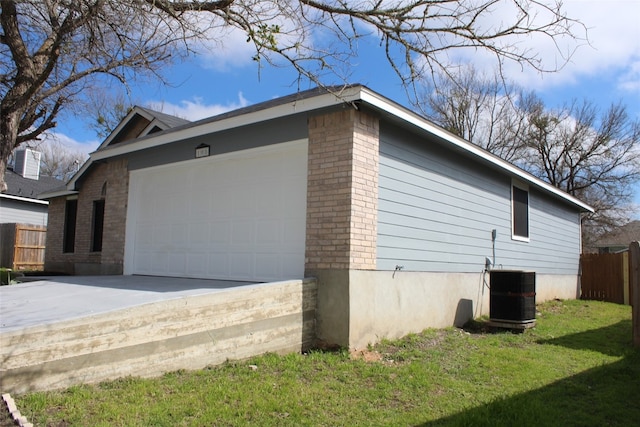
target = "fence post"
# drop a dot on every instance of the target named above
(634, 281)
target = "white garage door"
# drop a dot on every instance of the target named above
(238, 216)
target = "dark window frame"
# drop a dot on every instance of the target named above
(70, 220)
(97, 225)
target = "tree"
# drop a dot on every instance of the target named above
(590, 153)
(477, 107)
(58, 160)
(107, 111)
(52, 50)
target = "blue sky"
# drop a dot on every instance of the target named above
(606, 71)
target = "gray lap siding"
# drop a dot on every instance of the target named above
(437, 209)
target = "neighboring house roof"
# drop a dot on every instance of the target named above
(26, 189)
(355, 96)
(620, 237)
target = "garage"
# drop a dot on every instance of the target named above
(234, 216)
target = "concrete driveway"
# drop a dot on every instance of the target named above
(54, 299)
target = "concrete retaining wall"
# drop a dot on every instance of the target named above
(186, 333)
(357, 308)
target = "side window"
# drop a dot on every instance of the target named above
(520, 212)
(97, 225)
(97, 221)
(70, 215)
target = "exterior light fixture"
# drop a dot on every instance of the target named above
(202, 150)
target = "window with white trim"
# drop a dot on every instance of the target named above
(519, 212)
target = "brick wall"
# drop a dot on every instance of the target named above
(90, 191)
(342, 191)
(113, 179)
(115, 212)
(55, 234)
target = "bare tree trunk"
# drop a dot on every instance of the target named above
(8, 135)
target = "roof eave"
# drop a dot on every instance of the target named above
(24, 199)
(349, 94)
(379, 102)
(54, 194)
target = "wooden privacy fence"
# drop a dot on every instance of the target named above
(605, 277)
(23, 246)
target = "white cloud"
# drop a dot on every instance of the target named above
(614, 36)
(71, 145)
(227, 47)
(612, 51)
(630, 78)
(195, 109)
(233, 52)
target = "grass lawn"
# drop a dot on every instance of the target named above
(576, 367)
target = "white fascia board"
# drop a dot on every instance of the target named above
(54, 194)
(402, 113)
(24, 199)
(118, 128)
(283, 110)
(154, 123)
(135, 111)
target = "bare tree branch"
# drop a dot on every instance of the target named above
(591, 154)
(51, 49)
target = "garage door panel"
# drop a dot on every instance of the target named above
(241, 265)
(144, 263)
(161, 208)
(179, 235)
(161, 237)
(242, 234)
(200, 208)
(220, 234)
(240, 216)
(144, 236)
(180, 204)
(221, 203)
(160, 261)
(243, 202)
(177, 264)
(291, 231)
(218, 264)
(199, 235)
(268, 265)
(268, 233)
(197, 264)
(289, 261)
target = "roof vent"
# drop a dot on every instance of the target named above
(27, 163)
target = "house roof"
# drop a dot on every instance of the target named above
(141, 121)
(26, 189)
(165, 119)
(354, 96)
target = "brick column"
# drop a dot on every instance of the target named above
(53, 256)
(342, 191)
(115, 217)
